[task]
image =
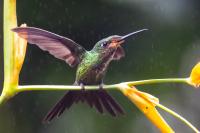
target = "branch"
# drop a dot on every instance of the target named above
(156, 81)
(22, 88)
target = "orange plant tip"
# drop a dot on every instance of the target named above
(146, 103)
(194, 78)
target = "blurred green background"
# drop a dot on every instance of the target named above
(169, 49)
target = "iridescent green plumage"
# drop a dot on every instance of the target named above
(92, 68)
(86, 68)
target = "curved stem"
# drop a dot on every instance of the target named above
(1, 99)
(178, 116)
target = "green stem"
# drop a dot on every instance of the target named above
(59, 87)
(156, 81)
(9, 22)
(1, 99)
(113, 86)
(177, 116)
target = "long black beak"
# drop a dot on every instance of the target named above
(120, 40)
(132, 33)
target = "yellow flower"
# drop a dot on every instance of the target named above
(146, 103)
(194, 78)
(20, 45)
(14, 51)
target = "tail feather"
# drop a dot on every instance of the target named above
(89, 99)
(60, 106)
(99, 99)
(96, 102)
(106, 104)
(70, 97)
(112, 102)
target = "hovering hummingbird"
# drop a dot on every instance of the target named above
(91, 67)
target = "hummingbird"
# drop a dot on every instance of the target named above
(91, 67)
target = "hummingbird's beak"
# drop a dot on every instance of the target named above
(121, 39)
(132, 33)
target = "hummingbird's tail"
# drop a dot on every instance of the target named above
(99, 99)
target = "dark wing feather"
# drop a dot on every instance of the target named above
(106, 104)
(61, 47)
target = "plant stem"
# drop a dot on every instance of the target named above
(22, 88)
(177, 116)
(155, 81)
(59, 87)
(1, 99)
(9, 22)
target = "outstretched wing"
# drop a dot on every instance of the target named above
(61, 47)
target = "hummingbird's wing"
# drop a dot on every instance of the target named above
(61, 47)
(119, 53)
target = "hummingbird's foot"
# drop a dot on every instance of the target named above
(82, 92)
(101, 86)
(82, 86)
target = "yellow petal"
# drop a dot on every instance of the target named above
(148, 97)
(194, 78)
(20, 45)
(143, 102)
(14, 51)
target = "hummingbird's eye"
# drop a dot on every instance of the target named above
(104, 44)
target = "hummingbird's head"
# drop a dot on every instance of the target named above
(108, 44)
(111, 43)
